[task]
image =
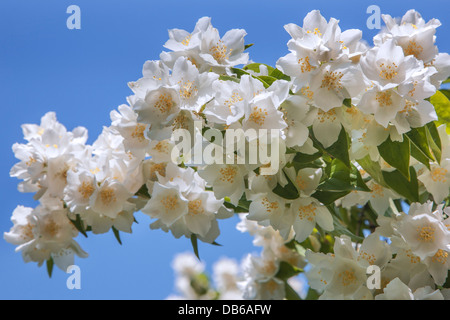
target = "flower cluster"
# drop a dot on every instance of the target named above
(319, 154)
(256, 277)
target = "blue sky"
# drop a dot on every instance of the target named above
(82, 75)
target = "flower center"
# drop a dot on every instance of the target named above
(86, 189)
(270, 206)
(388, 71)
(413, 49)
(440, 257)
(426, 234)
(235, 98)
(186, 40)
(377, 191)
(258, 116)
(138, 132)
(347, 277)
(195, 207)
(157, 168)
(169, 202)
(305, 66)
(323, 116)
(180, 122)
(384, 99)
(307, 212)
(107, 196)
(332, 80)
(220, 52)
(438, 175)
(188, 89)
(51, 228)
(164, 103)
(228, 174)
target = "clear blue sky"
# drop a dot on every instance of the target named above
(82, 75)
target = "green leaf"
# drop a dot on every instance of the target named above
(418, 138)
(241, 72)
(446, 92)
(341, 178)
(267, 79)
(312, 295)
(407, 188)
(117, 235)
(50, 264)
(357, 180)
(294, 245)
(338, 150)
(434, 140)
(194, 242)
(340, 228)
(347, 103)
(78, 223)
(373, 169)
(446, 81)
(279, 75)
(417, 154)
(200, 283)
(290, 293)
(229, 78)
(289, 191)
(143, 192)
(248, 46)
(442, 106)
(328, 197)
(304, 158)
(396, 154)
(286, 271)
(242, 207)
(255, 67)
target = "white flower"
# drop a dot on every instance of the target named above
(272, 209)
(133, 132)
(424, 232)
(226, 275)
(44, 233)
(109, 198)
(298, 116)
(413, 34)
(307, 212)
(81, 185)
(227, 51)
(166, 204)
(262, 113)
(158, 107)
(204, 47)
(155, 74)
(379, 197)
(438, 266)
(259, 281)
(397, 290)
(327, 126)
(387, 67)
(187, 264)
(332, 83)
(437, 180)
(226, 180)
(317, 42)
